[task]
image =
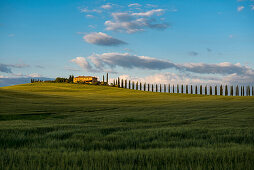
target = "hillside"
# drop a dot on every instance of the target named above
(72, 126)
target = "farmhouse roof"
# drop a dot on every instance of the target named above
(84, 76)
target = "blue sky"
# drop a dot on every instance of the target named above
(180, 39)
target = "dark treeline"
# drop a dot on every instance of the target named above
(222, 90)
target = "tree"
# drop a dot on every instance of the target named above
(122, 83)
(156, 88)
(148, 87)
(221, 90)
(118, 84)
(206, 90)
(152, 87)
(133, 84)
(177, 89)
(125, 86)
(231, 91)
(129, 84)
(226, 90)
(211, 90)
(200, 90)
(252, 90)
(196, 89)
(103, 79)
(160, 87)
(140, 86)
(187, 89)
(237, 91)
(70, 80)
(107, 79)
(215, 90)
(165, 88)
(168, 88)
(173, 88)
(191, 89)
(182, 88)
(144, 87)
(137, 85)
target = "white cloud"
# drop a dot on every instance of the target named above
(102, 39)
(89, 16)
(240, 8)
(107, 6)
(134, 5)
(82, 62)
(34, 75)
(85, 10)
(134, 22)
(149, 13)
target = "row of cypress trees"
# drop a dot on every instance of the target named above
(189, 89)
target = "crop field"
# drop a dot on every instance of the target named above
(74, 126)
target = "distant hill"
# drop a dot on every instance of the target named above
(15, 81)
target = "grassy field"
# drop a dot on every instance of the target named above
(71, 126)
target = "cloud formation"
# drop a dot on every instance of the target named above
(193, 53)
(240, 8)
(182, 78)
(134, 5)
(6, 68)
(107, 6)
(100, 38)
(126, 60)
(135, 22)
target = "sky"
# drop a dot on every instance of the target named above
(177, 41)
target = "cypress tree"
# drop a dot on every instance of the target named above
(182, 88)
(177, 89)
(201, 90)
(125, 84)
(248, 91)
(156, 88)
(168, 88)
(196, 89)
(152, 87)
(206, 90)
(144, 86)
(133, 85)
(173, 88)
(140, 86)
(215, 90)
(191, 89)
(231, 91)
(103, 79)
(221, 90)
(137, 85)
(211, 90)
(160, 88)
(237, 91)
(122, 83)
(187, 89)
(148, 87)
(252, 90)
(107, 78)
(129, 84)
(165, 88)
(226, 90)
(118, 82)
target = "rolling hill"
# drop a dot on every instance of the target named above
(73, 126)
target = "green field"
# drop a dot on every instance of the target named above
(72, 126)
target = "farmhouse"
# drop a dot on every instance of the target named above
(85, 79)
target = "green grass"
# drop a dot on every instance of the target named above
(71, 126)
